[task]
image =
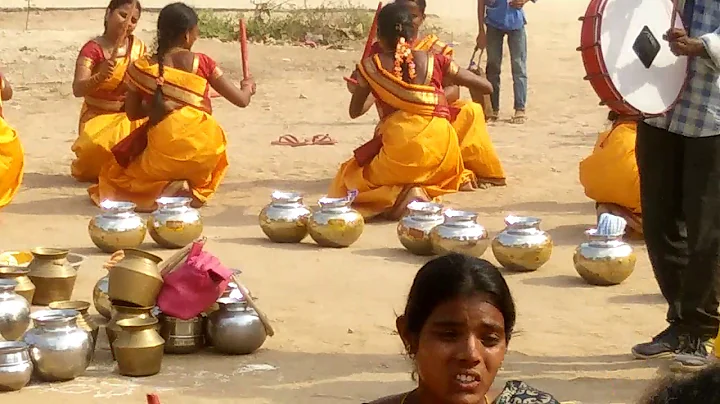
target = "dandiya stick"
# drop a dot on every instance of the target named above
(244, 49)
(123, 36)
(673, 17)
(370, 39)
(251, 302)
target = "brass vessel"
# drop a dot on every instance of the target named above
(135, 279)
(53, 276)
(175, 223)
(25, 287)
(119, 313)
(336, 224)
(101, 299)
(118, 227)
(522, 246)
(284, 220)
(139, 348)
(605, 259)
(84, 320)
(413, 229)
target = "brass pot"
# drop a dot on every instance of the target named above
(604, 260)
(139, 348)
(101, 300)
(175, 223)
(25, 287)
(284, 220)
(135, 279)
(53, 276)
(118, 227)
(335, 224)
(84, 320)
(522, 246)
(459, 233)
(414, 227)
(119, 313)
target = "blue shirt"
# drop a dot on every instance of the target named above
(499, 15)
(697, 113)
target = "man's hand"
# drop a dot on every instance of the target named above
(517, 3)
(683, 45)
(481, 40)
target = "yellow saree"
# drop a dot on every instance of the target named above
(12, 160)
(187, 145)
(477, 148)
(103, 122)
(610, 174)
(419, 148)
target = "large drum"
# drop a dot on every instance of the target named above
(628, 64)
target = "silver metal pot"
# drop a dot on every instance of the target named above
(15, 365)
(14, 311)
(605, 259)
(235, 328)
(414, 228)
(522, 246)
(460, 233)
(175, 223)
(181, 336)
(118, 227)
(284, 220)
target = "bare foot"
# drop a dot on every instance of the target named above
(467, 187)
(413, 194)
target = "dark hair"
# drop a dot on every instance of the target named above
(613, 116)
(422, 5)
(115, 4)
(174, 21)
(454, 276)
(700, 388)
(395, 22)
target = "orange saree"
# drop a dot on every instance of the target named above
(12, 160)
(418, 146)
(103, 122)
(187, 145)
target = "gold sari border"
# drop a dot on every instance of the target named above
(105, 105)
(147, 83)
(410, 93)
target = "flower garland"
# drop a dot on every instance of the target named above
(403, 53)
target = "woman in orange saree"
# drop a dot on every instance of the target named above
(415, 153)
(12, 157)
(181, 150)
(466, 117)
(610, 174)
(99, 73)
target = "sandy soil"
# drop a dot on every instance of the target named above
(334, 309)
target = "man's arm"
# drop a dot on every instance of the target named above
(481, 38)
(711, 42)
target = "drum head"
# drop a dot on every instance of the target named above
(638, 60)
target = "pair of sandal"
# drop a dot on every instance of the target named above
(293, 141)
(518, 119)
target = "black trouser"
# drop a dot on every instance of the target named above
(680, 197)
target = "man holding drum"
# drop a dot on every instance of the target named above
(678, 156)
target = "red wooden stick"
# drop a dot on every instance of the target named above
(370, 39)
(244, 49)
(152, 399)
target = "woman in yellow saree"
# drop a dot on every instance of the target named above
(610, 174)
(99, 73)
(415, 153)
(181, 150)
(12, 157)
(466, 117)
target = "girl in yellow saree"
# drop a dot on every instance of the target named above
(11, 152)
(467, 117)
(415, 153)
(99, 80)
(181, 150)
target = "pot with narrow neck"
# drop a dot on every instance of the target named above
(118, 227)
(414, 228)
(53, 276)
(60, 350)
(175, 223)
(138, 348)
(122, 312)
(285, 219)
(25, 287)
(522, 246)
(605, 259)
(135, 279)
(235, 328)
(459, 233)
(15, 365)
(335, 224)
(14, 311)
(84, 320)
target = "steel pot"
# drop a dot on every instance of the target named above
(14, 311)
(181, 336)
(414, 227)
(15, 365)
(335, 224)
(604, 260)
(459, 233)
(84, 320)
(522, 246)
(285, 219)
(235, 328)
(175, 223)
(118, 227)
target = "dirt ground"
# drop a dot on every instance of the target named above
(334, 310)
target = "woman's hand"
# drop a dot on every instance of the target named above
(106, 69)
(248, 84)
(351, 86)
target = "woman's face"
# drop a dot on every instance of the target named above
(116, 19)
(418, 16)
(459, 351)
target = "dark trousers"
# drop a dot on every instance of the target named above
(680, 197)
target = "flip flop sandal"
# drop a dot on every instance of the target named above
(288, 140)
(519, 118)
(323, 140)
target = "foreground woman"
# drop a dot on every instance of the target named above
(12, 158)
(181, 150)
(99, 80)
(466, 117)
(610, 174)
(415, 152)
(456, 328)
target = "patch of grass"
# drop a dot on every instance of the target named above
(330, 24)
